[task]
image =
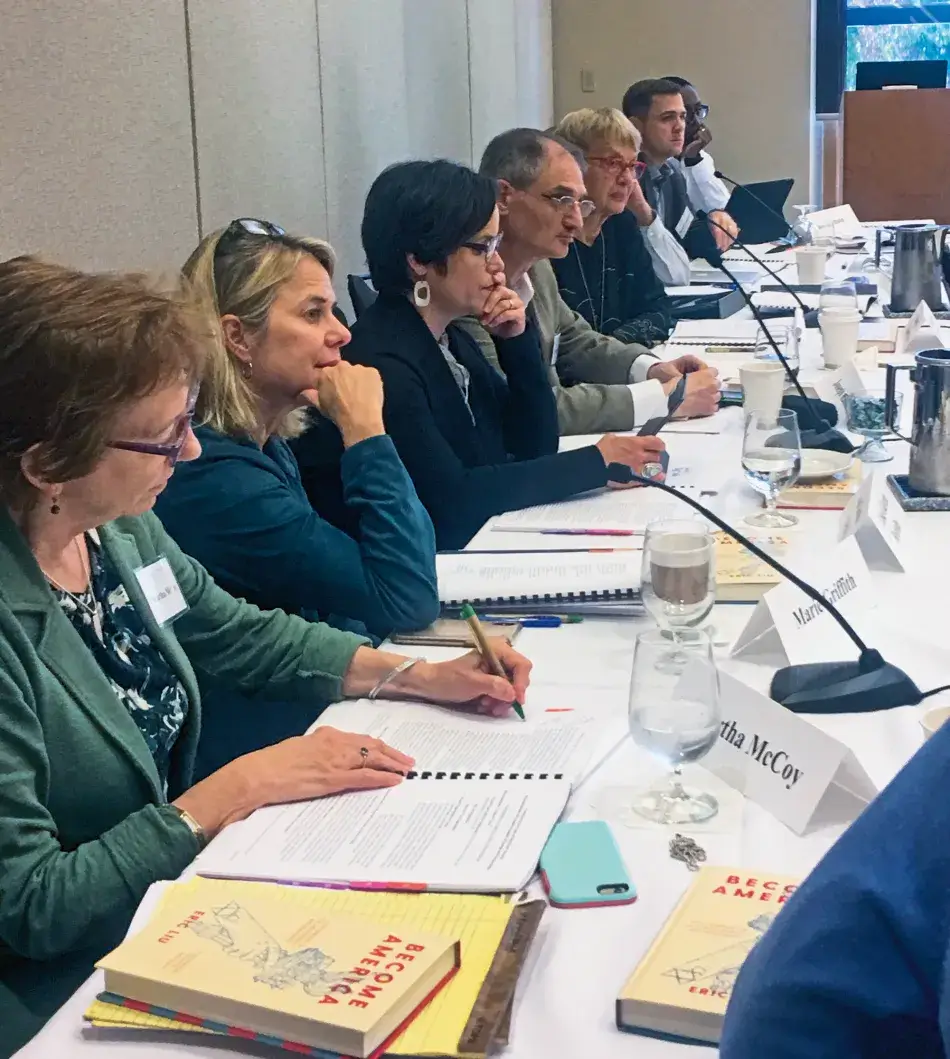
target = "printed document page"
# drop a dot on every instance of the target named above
(460, 835)
(561, 740)
(525, 575)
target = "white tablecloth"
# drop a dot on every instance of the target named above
(565, 1007)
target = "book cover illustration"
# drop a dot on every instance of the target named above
(714, 974)
(240, 936)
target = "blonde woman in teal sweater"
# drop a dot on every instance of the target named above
(104, 623)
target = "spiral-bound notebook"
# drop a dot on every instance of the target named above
(464, 832)
(529, 578)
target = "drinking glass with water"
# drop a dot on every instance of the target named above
(678, 580)
(786, 337)
(676, 719)
(772, 461)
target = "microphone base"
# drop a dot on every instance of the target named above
(865, 686)
(826, 439)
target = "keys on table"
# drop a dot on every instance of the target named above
(688, 851)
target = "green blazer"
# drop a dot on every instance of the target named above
(84, 825)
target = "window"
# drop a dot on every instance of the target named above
(853, 31)
(894, 30)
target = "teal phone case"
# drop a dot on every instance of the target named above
(581, 867)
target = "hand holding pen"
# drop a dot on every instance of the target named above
(494, 654)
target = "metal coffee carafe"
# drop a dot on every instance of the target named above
(917, 272)
(930, 438)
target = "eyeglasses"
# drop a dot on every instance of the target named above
(489, 247)
(171, 450)
(615, 165)
(248, 226)
(566, 203)
(700, 111)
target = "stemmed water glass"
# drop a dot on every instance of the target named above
(772, 461)
(678, 581)
(676, 718)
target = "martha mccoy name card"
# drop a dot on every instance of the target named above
(876, 520)
(787, 625)
(777, 758)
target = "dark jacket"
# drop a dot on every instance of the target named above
(614, 286)
(664, 188)
(242, 512)
(468, 467)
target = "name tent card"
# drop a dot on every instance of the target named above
(788, 626)
(876, 520)
(837, 386)
(779, 760)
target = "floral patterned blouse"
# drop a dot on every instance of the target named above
(144, 682)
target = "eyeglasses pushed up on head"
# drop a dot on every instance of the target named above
(171, 449)
(248, 226)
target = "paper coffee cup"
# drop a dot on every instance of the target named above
(811, 261)
(934, 719)
(839, 335)
(763, 387)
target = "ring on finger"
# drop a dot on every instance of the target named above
(364, 754)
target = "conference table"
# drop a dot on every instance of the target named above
(581, 958)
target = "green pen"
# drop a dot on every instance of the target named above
(484, 649)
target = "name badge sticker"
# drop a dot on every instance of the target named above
(161, 590)
(685, 223)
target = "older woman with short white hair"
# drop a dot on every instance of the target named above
(608, 275)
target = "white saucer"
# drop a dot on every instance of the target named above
(818, 464)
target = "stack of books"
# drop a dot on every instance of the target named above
(319, 972)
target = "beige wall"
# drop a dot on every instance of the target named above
(128, 129)
(751, 59)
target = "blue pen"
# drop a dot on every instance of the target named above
(527, 623)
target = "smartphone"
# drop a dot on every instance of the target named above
(581, 867)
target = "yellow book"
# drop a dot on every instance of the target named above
(740, 576)
(239, 957)
(682, 986)
(478, 921)
(833, 494)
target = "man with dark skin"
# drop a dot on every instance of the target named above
(705, 190)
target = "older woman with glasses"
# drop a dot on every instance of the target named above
(104, 623)
(608, 275)
(360, 552)
(475, 443)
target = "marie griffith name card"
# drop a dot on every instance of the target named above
(788, 624)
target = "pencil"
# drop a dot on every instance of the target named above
(484, 649)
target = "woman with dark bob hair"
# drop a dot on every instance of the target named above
(104, 623)
(475, 443)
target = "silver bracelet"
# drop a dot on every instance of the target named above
(404, 666)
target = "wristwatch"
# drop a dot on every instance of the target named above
(192, 824)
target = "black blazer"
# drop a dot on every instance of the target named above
(697, 239)
(465, 471)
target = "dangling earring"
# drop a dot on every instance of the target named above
(247, 368)
(421, 294)
(54, 507)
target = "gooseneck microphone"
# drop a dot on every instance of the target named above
(864, 686)
(821, 435)
(720, 175)
(778, 279)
